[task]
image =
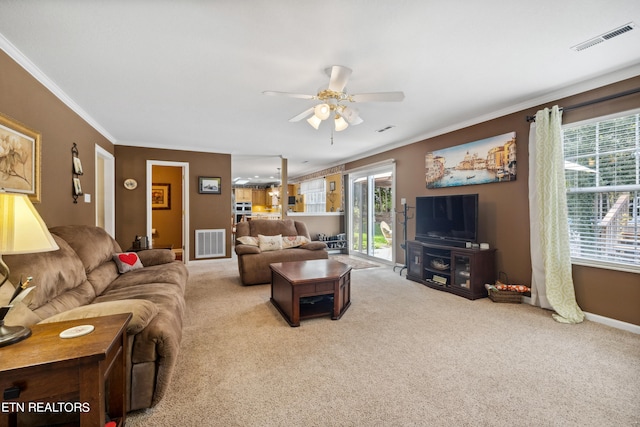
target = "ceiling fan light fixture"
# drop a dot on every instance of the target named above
(357, 121)
(314, 121)
(322, 111)
(351, 114)
(340, 123)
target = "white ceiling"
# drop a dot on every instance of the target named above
(190, 74)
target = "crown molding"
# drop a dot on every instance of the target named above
(554, 96)
(41, 77)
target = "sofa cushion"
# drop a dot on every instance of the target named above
(93, 245)
(270, 243)
(267, 227)
(127, 261)
(142, 312)
(95, 248)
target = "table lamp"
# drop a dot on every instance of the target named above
(22, 231)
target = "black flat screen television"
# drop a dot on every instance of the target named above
(448, 220)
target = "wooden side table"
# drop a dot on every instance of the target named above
(47, 368)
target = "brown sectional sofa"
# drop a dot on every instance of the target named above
(81, 280)
(253, 263)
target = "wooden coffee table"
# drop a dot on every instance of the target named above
(306, 289)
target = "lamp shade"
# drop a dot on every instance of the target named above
(341, 123)
(22, 230)
(322, 111)
(314, 121)
(351, 114)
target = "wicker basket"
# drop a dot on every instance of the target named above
(496, 295)
(505, 296)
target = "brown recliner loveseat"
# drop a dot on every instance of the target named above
(253, 262)
(82, 280)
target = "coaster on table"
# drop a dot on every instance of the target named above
(77, 331)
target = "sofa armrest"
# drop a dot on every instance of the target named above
(143, 312)
(149, 257)
(247, 249)
(314, 246)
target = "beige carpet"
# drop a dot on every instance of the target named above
(355, 262)
(402, 355)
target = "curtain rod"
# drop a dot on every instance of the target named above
(593, 101)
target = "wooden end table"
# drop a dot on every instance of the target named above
(47, 368)
(294, 281)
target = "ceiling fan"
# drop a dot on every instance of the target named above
(334, 99)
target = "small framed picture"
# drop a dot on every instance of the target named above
(332, 186)
(209, 185)
(77, 166)
(77, 188)
(160, 196)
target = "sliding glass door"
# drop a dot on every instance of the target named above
(371, 218)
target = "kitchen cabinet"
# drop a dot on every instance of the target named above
(259, 197)
(243, 195)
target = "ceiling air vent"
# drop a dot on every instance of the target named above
(384, 129)
(604, 37)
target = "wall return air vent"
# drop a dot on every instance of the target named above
(604, 37)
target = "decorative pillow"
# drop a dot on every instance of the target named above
(294, 241)
(248, 240)
(270, 243)
(127, 261)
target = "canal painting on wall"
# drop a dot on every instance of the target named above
(479, 162)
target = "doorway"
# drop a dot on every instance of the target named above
(105, 191)
(167, 207)
(371, 219)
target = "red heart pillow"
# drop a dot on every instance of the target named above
(127, 261)
(128, 258)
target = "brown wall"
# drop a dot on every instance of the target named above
(504, 207)
(207, 211)
(24, 99)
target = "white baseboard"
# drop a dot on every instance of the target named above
(618, 324)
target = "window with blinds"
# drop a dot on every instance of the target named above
(314, 195)
(602, 171)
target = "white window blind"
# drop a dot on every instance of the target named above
(315, 195)
(602, 170)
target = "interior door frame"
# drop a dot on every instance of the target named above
(185, 201)
(108, 193)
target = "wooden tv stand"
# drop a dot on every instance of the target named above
(461, 271)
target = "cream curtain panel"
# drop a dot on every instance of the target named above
(551, 281)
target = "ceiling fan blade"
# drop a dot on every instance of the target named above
(339, 77)
(302, 115)
(378, 97)
(290, 95)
